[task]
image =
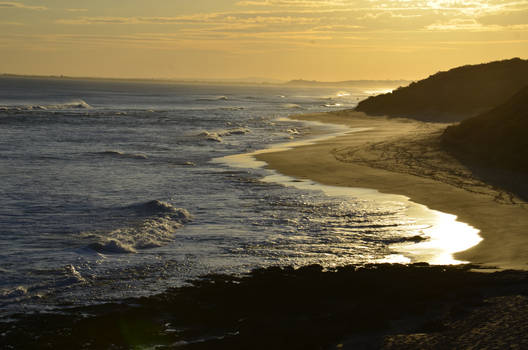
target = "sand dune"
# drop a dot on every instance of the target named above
(454, 95)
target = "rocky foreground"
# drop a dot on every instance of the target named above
(357, 307)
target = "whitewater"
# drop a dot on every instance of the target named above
(113, 189)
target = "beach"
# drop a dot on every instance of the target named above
(244, 257)
(402, 156)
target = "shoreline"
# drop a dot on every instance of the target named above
(427, 244)
(400, 156)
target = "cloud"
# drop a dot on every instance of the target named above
(509, 18)
(9, 23)
(18, 5)
(293, 3)
(76, 10)
(329, 20)
(468, 25)
(200, 19)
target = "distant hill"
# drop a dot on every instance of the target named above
(359, 83)
(497, 138)
(453, 95)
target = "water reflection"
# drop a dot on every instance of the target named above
(446, 236)
(439, 234)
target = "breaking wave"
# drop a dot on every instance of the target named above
(159, 222)
(218, 98)
(291, 106)
(15, 292)
(77, 104)
(218, 134)
(332, 105)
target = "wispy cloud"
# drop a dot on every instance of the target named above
(77, 10)
(19, 5)
(470, 25)
(203, 19)
(10, 23)
(260, 25)
(293, 3)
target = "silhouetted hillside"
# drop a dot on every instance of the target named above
(453, 95)
(497, 138)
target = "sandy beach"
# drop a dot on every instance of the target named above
(402, 156)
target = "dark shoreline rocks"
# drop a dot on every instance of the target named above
(273, 308)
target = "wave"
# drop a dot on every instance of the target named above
(15, 292)
(293, 131)
(232, 108)
(235, 131)
(210, 99)
(210, 136)
(291, 106)
(332, 105)
(218, 134)
(159, 222)
(77, 104)
(113, 153)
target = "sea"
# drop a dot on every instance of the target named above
(114, 189)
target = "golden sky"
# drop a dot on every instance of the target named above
(283, 39)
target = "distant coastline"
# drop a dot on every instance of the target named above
(245, 81)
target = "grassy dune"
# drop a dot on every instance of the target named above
(454, 95)
(496, 138)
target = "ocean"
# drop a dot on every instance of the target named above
(115, 189)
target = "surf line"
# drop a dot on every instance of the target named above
(443, 234)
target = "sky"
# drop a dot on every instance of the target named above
(327, 40)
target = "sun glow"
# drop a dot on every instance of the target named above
(321, 40)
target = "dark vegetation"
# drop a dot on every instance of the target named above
(274, 308)
(496, 138)
(454, 95)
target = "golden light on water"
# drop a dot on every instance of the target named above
(447, 236)
(377, 91)
(444, 235)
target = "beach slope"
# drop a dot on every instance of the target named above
(403, 156)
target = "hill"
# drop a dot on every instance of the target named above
(454, 95)
(496, 138)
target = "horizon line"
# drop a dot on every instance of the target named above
(248, 80)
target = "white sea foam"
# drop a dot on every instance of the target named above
(210, 136)
(217, 98)
(333, 105)
(291, 106)
(76, 104)
(293, 131)
(15, 292)
(218, 134)
(156, 229)
(72, 272)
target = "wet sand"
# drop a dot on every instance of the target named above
(402, 156)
